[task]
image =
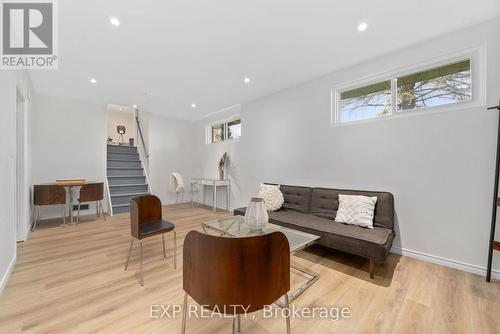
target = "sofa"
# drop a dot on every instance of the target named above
(313, 210)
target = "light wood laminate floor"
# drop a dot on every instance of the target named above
(71, 280)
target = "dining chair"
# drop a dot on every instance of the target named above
(93, 192)
(146, 221)
(178, 186)
(241, 275)
(44, 194)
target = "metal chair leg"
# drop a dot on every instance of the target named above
(141, 277)
(102, 210)
(184, 313)
(234, 321)
(78, 216)
(163, 241)
(36, 217)
(33, 209)
(64, 214)
(129, 251)
(175, 250)
(287, 306)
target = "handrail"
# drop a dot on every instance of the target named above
(140, 133)
(145, 160)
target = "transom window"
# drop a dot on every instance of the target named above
(227, 130)
(447, 84)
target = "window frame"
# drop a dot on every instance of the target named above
(478, 87)
(209, 130)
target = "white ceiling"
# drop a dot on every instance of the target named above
(199, 51)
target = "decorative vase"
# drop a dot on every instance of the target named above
(256, 216)
(221, 174)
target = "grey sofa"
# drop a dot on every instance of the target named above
(313, 210)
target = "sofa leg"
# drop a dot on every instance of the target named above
(371, 267)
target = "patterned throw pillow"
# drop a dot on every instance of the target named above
(356, 210)
(272, 196)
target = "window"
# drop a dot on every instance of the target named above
(234, 129)
(437, 86)
(218, 133)
(450, 83)
(366, 102)
(227, 130)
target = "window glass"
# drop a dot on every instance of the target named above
(234, 129)
(441, 85)
(366, 102)
(218, 133)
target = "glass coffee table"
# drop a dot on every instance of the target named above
(235, 227)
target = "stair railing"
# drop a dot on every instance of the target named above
(143, 151)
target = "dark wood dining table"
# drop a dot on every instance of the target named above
(69, 184)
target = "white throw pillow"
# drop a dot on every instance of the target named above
(356, 210)
(272, 196)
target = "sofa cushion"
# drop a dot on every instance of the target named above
(272, 196)
(356, 210)
(325, 204)
(371, 243)
(296, 198)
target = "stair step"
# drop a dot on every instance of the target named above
(122, 149)
(128, 188)
(118, 171)
(126, 179)
(124, 163)
(125, 198)
(124, 156)
(121, 208)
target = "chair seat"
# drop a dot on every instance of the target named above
(155, 227)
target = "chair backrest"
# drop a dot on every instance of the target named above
(220, 272)
(44, 194)
(143, 209)
(176, 182)
(92, 192)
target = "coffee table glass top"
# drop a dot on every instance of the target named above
(236, 227)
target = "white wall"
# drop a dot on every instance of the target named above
(210, 154)
(9, 82)
(440, 167)
(68, 141)
(126, 118)
(171, 148)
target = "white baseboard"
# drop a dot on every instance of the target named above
(7, 273)
(471, 268)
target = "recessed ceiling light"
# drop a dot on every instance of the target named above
(246, 80)
(193, 105)
(134, 106)
(92, 80)
(362, 26)
(114, 21)
(121, 109)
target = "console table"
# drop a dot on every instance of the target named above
(214, 183)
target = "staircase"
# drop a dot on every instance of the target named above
(126, 178)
